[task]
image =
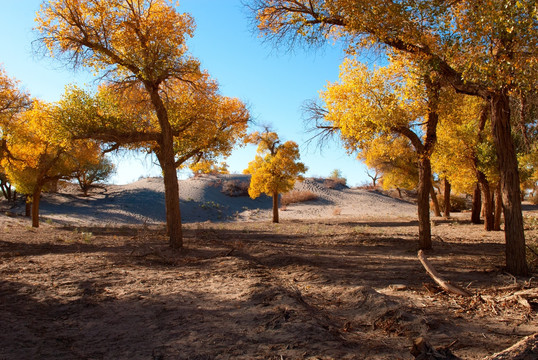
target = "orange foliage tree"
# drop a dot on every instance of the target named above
(275, 168)
(12, 102)
(40, 153)
(139, 45)
(479, 47)
(369, 108)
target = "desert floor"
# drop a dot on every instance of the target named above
(98, 280)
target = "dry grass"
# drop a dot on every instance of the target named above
(297, 197)
(235, 188)
(335, 183)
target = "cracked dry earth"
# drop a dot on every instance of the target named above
(339, 289)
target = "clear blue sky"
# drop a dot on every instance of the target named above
(273, 82)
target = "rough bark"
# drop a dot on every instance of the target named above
(436, 209)
(167, 161)
(516, 262)
(424, 164)
(477, 205)
(487, 203)
(36, 198)
(498, 209)
(424, 186)
(447, 187)
(275, 208)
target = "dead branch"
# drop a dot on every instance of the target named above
(527, 348)
(437, 278)
(524, 297)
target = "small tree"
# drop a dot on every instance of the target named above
(93, 171)
(13, 101)
(275, 168)
(40, 154)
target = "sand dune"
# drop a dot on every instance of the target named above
(204, 199)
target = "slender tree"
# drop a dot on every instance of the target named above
(397, 100)
(275, 168)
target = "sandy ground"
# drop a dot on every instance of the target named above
(203, 199)
(98, 281)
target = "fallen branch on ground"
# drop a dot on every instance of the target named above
(437, 278)
(525, 349)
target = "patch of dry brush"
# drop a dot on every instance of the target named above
(297, 196)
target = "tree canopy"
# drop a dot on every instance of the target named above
(481, 48)
(275, 168)
(139, 47)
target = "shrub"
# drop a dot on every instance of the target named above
(335, 183)
(235, 188)
(297, 196)
(457, 203)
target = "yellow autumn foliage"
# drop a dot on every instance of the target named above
(276, 166)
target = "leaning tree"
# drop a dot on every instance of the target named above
(478, 47)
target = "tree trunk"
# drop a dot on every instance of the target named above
(399, 192)
(498, 208)
(167, 161)
(487, 203)
(36, 197)
(424, 188)
(477, 205)
(447, 187)
(275, 207)
(28, 206)
(516, 262)
(436, 209)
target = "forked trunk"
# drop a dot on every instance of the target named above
(36, 197)
(477, 205)
(275, 207)
(516, 262)
(424, 186)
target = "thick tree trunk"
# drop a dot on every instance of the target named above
(516, 262)
(487, 203)
(166, 158)
(36, 198)
(477, 205)
(275, 208)
(447, 187)
(436, 209)
(424, 186)
(498, 209)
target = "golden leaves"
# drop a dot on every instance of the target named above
(276, 166)
(124, 37)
